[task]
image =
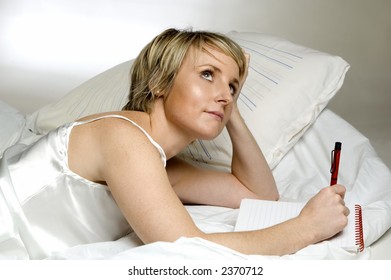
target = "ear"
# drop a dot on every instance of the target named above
(154, 91)
(158, 93)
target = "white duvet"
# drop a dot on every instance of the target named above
(300, 174)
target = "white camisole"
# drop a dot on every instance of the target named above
(45, 207)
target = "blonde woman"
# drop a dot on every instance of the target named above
(96, 178)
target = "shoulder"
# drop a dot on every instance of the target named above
(111, 126)
(109, 144)
(116, 133)
(118, 136)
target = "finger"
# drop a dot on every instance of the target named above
(244, 51)
(339, 189)
(247, 56)
(346, 211)
(247, 65)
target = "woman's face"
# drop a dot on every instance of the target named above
(200, 100)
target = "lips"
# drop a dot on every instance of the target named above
(217, 114)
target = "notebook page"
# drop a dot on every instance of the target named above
(346, 238)
(257, 214)
(252, 216)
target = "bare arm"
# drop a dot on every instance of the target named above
(138, 181)
(248, 163)
(250, 175)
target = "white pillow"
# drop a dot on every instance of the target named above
(287, 87)
(105, 92)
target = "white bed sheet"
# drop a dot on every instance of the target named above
(301, 173)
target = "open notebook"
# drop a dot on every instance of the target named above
(257, 214)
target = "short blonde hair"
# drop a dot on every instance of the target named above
(154, 70)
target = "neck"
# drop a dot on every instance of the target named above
(170, 138)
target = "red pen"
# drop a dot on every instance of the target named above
(335, 154)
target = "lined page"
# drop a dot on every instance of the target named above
(258, 214)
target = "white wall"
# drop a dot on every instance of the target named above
(49, 47)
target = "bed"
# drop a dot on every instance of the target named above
(284, 103)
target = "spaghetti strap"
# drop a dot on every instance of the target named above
(158, 147)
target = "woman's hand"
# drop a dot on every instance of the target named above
(325, 214)
(243, 80)
(248, 162)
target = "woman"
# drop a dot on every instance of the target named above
(88, 181)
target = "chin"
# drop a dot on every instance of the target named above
(210, 136)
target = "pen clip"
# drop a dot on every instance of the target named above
(332, 168)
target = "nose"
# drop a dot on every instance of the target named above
(224, 94)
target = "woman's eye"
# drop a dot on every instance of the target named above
(232, 89)
(208, 75)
